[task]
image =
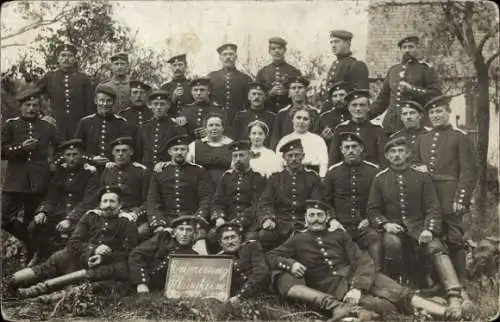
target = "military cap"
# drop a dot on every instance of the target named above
(297, 79)
(440, 100)
(127, 140)
(263, 125)
(411, 38)
(227, 45)
(70, 144)
(291, 145)
(239, 146)
(401, 140)
(188, 220)
(357, 93)
(228, 226)
(139, 84)
(106, 89)
(121, 55)
(257, 85)
(200, 81)
(338, 86)
(177, 58)
(412, 104)
(350, 136)
(65, 47)
(317, 204)
(159, 95)
(28, 94)
(110, 189)
(342, 34)
(182, 139)
(277, 41)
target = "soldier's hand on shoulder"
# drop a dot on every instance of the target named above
(159, 166)
(219, 222)
(298, 270)
(393, 228)
(158, 229)
(94, 260)
(110, 165)
(420, 167)
(268, 224)
(181, 120)
(364, 223)
(327, 133)
(40, 218)
(200, 132)
(63, 226)
(102, 250)
(131, 216)
(142, 288)
(335, 225)
(100, 160)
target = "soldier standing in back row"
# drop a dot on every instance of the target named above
(229, 85)
(120, 80)
(276, 74)
(338, 112)
(409, 80)
(178, 88)
(138, 112)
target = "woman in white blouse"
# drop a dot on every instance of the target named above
(315, 150)
(264, 160)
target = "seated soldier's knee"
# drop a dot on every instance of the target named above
(435, 247)
(283, 281)
(393, 246)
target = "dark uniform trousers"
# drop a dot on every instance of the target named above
(283, 201)
(148, 262)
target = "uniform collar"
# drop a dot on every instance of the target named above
(400, 170)
(280, 63)
(342, 56)
(299, 170)
(442, 128)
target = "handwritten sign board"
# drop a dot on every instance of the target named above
(207, 276)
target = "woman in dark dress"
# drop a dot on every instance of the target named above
(212, 151)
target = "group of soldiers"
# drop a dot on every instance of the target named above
(112, 194)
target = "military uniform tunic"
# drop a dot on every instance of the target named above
(282, 124)
(277, 72)
(196, 113)
(424, 82)
(332, 118)
(137, 115)
(348, 69)
(373, 136)
(243, 118)
(181, 101)
(230, 90)
(178, 190)
(71, 97)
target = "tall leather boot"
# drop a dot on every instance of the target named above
(451, 284)
(57, 282)
(375, 252)
(457, 256)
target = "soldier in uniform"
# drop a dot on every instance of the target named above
(448, 155)
(193, 115)
(26, 144)
(256, 111)
(250, 271)
(98, 130)
(154, 134)
(98, 249)
(276, 74)
(178, 88)
(138, 112)
(148, 262)
(346, 68)
(409, 80)
(338, 112)
(69, 90)
(281, 205)
(403, 202)
(325, 268)
(230, 86)
(372, 135)
(347, 185)
(69, 195)
(120, 80)
(282, 124)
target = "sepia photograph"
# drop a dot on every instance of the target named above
(257, 160)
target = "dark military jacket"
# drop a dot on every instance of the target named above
(176, 191)
(331, 119)
(333, 262)
(424, 83)
(71, 98)
(230, 90)
(98, 132)
(450, 158)
(283, 199)
(348, 69)
(152, 139)
(137, 115)
(71, 192)
(277, 72)
(346, 189)
(27, 171)
(243, 118)
(185, 99)
(93, 230)
(406, 197)
(373, 136)
(237, 195)
(283, 125)
(250, 271)
(196, 113)
(148, 262)
(133, 180)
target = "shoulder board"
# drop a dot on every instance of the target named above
(89, 167)
(325, 112)
(286, 108)
(344, 123)
(120, 117)
(127, 109)
(336, 165)
(382, 172)
(426, 63)
(229, 171)
(220, 253)
(459, 130)
(97, 212)
(428, 128)
(371, 164)
(395, 134)
(272, 113)
(139, 165)
(195, 164)
(311, 171)
(89, 116)
(13, 119)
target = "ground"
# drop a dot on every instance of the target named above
(114, 301)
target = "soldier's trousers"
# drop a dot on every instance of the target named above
(453, 236)
(46, 237)
(367, 239)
